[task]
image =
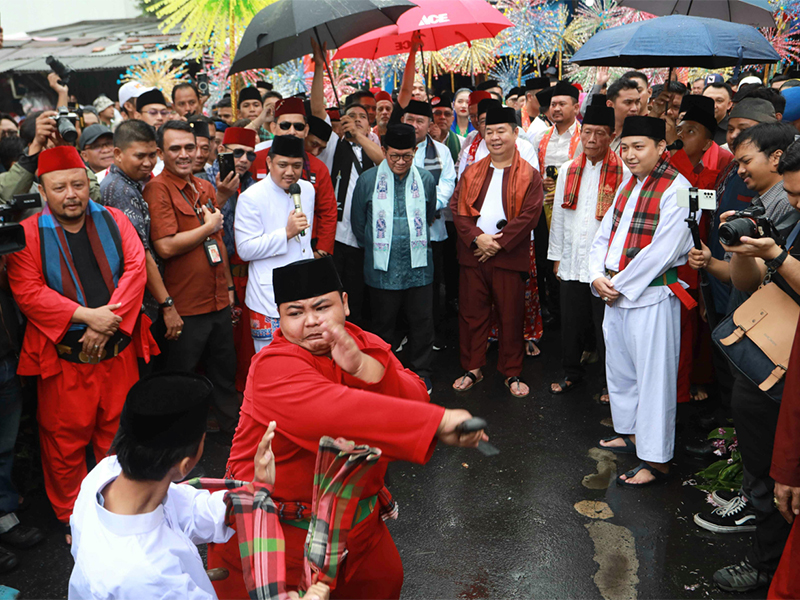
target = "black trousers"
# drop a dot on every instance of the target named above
(438, 281)
(207, 341)
(545, 278)
(582, 312)
(451, 268)
(349, 263)
(417, 305)
(755, 416)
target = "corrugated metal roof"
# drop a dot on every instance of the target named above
(89, 45)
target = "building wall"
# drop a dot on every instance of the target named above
(41, 14)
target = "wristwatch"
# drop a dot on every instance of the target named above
(776, 262)
(167, 303)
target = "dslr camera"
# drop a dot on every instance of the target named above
(12, 235)
(65, 121)
(749, 222)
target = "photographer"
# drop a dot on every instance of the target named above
(20, 178)
(755, 414)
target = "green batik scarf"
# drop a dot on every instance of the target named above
(383, 218)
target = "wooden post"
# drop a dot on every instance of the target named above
(232, 53)
(519, 74)
(452, 82)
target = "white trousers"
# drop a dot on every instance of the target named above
(642, 352)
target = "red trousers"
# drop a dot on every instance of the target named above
(80, 406)
(372, 568)
(786, 581)
(479, 288)
(242, 339)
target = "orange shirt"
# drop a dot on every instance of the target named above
(196, 287)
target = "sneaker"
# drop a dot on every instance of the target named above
(741, 578)
(725, 497)
(734, 517)
(402, 344)
(22, 536)
(8, 560)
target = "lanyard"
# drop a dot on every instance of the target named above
(193, 207)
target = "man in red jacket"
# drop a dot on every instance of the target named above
(290, 119)
(322, 376)
(80, 282)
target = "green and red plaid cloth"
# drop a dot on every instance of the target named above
(336, 506)
(645, 217)
(610, 180)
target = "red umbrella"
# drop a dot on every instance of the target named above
(441, 23)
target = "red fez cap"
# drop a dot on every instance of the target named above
(380, 96)
(290, 106)
(59, 158)
(374, 90)
(476, 97)
(241, 136)
(333, 113)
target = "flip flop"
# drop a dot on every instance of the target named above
(628, 448)
(566, 385)
(511, 381)
(659, 476)
(475, 380)
(528, 344)
(603, 392)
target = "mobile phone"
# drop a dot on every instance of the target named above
(226, 164)
(202, 83)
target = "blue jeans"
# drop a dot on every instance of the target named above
(10, 411)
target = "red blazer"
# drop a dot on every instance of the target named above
(49, 313)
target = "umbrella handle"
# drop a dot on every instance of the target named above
(422, 58)
(327, 69)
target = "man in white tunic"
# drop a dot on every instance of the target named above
(135, 531)
(271, 232)
(584, 193)
(632, 265)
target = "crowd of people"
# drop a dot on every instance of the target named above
(286, 250)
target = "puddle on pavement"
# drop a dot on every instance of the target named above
(594, 509)
(606, 469)
(615, 553)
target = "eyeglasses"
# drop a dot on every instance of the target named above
(404, 158)
(101, 145)
(8, 133)
(239, 153)
(287, 125)
(154, 113)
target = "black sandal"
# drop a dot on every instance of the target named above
(511, 381)
(469, 375)
(566, 385)
(598, 397)
(659, 476)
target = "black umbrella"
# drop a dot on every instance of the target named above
(281, 31)
(757, 13)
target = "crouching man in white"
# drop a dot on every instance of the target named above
(632, 268)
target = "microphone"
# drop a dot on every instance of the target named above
(294, 192)
(676, 145)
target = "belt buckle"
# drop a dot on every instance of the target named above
(298, 512)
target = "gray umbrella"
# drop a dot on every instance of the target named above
(757, 13)
(281, 32)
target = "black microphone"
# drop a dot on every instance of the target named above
(676, 145)
(294, 191)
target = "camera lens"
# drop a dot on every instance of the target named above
(67, 130)
(730, 232)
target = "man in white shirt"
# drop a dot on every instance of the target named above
(469, 148)
(632, 266)
(271, 232)
(584, 193)
(530, 109)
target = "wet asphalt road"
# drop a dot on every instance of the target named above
(507, 526)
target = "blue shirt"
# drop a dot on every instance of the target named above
(400, 275)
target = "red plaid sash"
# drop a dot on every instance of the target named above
(645, 217)
(252, 513)
(610, 179)
(473, 148)
(573, 144)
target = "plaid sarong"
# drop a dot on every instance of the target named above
(645, 217)
(252, 513)
(610, 180)
(338, 484)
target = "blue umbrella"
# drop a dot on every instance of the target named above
(676, 41)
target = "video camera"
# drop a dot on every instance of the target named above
(749, 222)
(12, 235)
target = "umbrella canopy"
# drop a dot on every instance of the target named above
(281, 32)
(676, 41)
(441, 23)
(757, 13)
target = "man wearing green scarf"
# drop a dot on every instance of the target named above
(393, 207)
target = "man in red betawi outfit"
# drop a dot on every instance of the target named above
(322, 376)
(785, 471)
(290, 119)
(495, 206)
(80, 282)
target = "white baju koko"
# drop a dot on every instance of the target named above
(526, 151)
(153, 555)
(642, 328)
(262, 213)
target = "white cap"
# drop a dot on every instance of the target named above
(132, 89)
(751, 79)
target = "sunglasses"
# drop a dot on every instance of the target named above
(239, 153)
(287, 125)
